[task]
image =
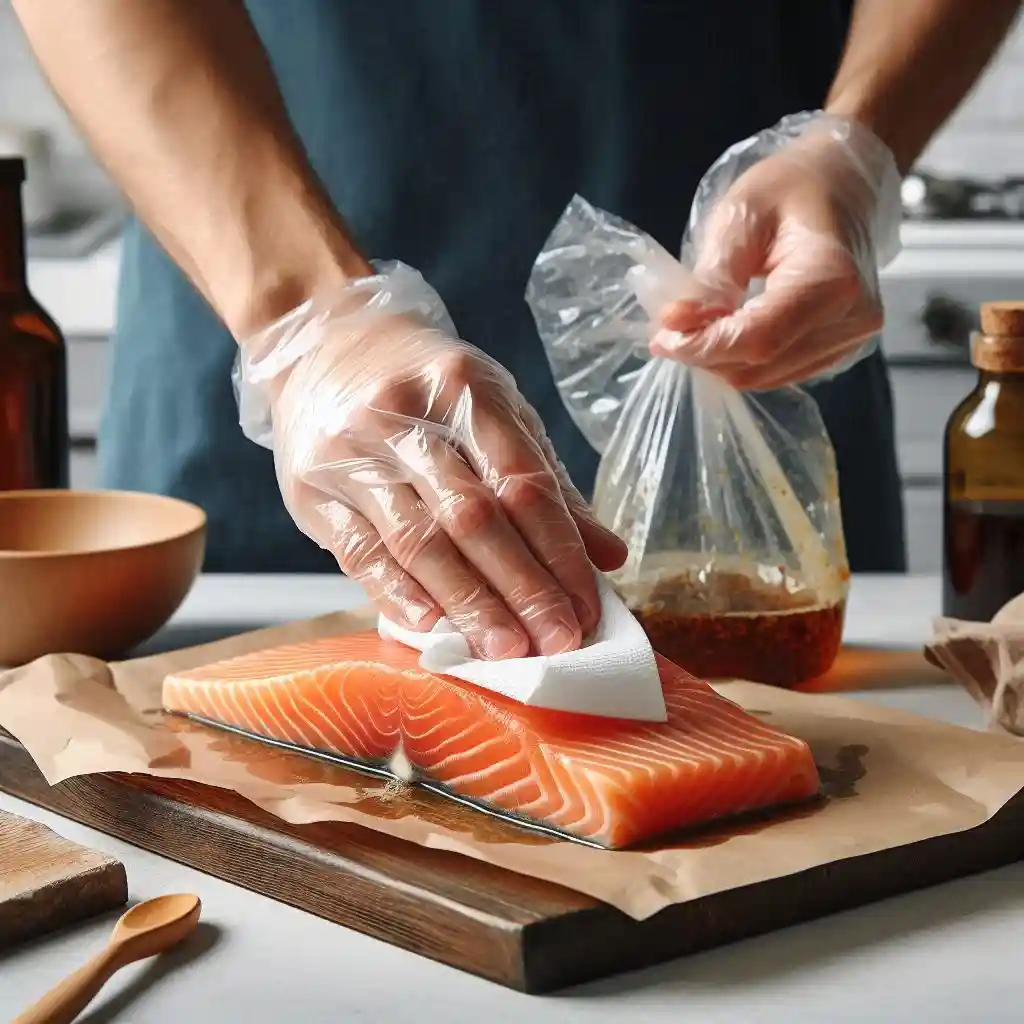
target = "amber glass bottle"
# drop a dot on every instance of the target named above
(33, 361)
(984, 474)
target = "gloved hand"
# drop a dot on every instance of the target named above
(813, 208)
(412, 457)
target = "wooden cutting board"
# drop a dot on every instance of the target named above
(47, 881)
(518, 931)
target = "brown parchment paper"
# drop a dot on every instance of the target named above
(890, 778)
(987, 659)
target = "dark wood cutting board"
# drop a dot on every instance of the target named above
(47, 881)
(520, 932)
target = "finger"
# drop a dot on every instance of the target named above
(768, 378)
(419, 544)
(792, 363)
(372, 467)
(477, 401)
(362, 556)
(794, 306)
(360, 475)
(605, 549)
(479, 524)
(688, 315)
(505, 452)
(534, 504)
(809, 358)
(729, 251)
(809, 354)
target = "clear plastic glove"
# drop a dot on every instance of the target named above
(413, 457)
(812, 207)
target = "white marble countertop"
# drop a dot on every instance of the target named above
(951, 953)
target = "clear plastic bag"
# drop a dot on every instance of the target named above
(727, 500)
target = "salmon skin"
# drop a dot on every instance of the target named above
(364, 701)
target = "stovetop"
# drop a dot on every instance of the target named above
(74, 232)
(930, 197)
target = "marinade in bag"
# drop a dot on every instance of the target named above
(727, 500)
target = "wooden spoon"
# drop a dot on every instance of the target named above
(147, 929)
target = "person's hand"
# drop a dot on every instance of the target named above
(814, 220)
(413, 457)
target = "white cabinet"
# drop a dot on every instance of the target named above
(923, 398)
(88, 367)
(88, 360)
(84, 476)
(922, 508)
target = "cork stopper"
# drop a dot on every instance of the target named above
(999, 348)
(1003, 319)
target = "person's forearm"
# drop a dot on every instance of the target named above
(908, 63)
(179, 102)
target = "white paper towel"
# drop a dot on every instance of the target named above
(613, 674)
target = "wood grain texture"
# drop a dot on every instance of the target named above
(47, 881)
(517, 931)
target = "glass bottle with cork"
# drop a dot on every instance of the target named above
(34, 443)
(983, 514)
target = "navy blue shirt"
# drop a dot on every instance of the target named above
(451, 134)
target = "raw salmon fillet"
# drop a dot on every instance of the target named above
(611, 781)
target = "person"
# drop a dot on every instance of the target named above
(274, 151)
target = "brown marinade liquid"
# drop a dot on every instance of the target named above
(34, 445)
(34, 450)
(984, 557)
(767, 635)
(779, 648)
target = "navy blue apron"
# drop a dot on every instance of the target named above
(451, 134)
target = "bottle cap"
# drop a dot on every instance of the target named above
(12, 170)
(1003, 319)
(999, 348)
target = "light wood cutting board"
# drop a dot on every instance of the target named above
(47, 881)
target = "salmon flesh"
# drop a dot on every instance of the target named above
(612, 782)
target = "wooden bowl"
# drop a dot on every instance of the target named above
(92, 572)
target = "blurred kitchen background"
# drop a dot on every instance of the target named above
(963, 244)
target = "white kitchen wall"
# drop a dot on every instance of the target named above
(25, 98)
(985, 138)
